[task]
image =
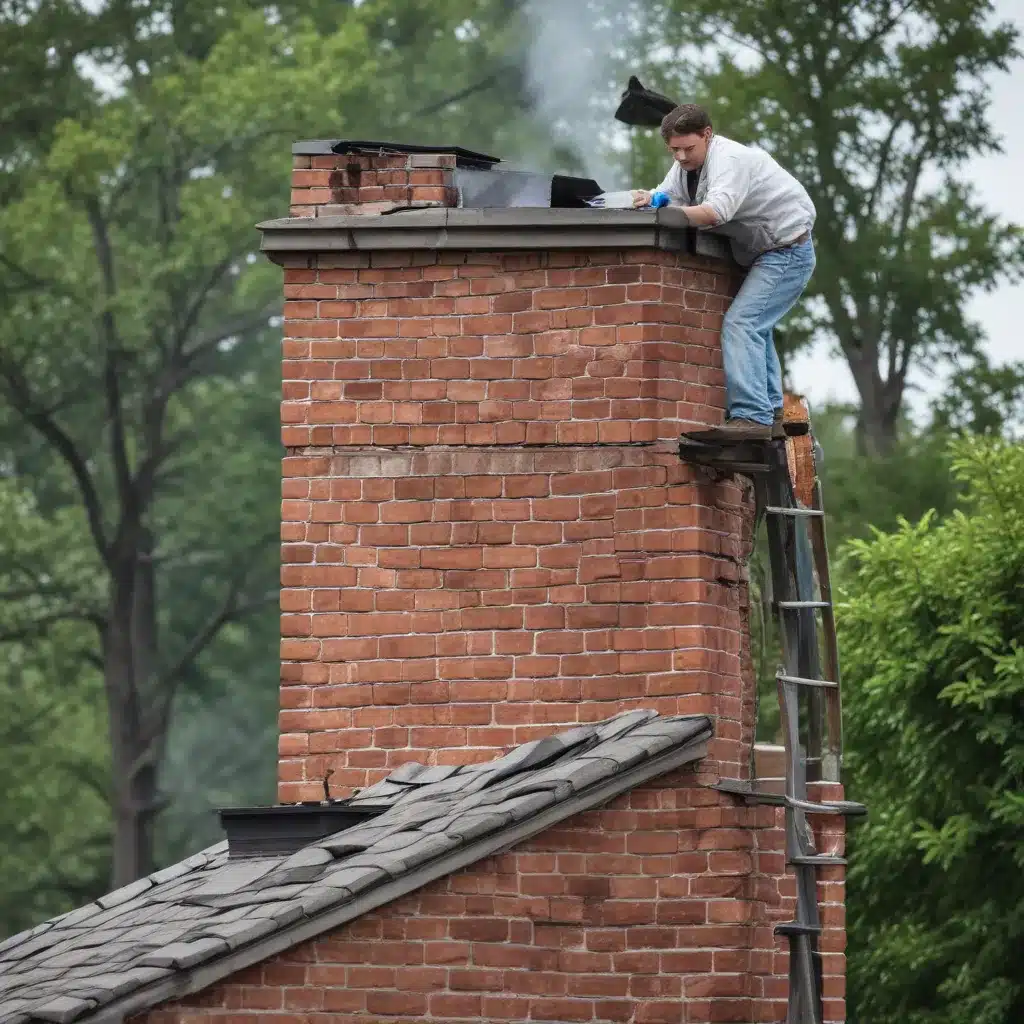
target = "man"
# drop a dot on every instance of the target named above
(767, 215)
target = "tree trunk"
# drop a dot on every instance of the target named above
(133, 789)
(877, 423)
(127, 653)
(880, 402)
(133, 826)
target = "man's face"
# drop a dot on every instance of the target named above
(689, 151)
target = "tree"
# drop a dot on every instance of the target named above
(137, 365)
(876, 106)
(933, 694)
(864, 493)
(55, 815)
(222, 745)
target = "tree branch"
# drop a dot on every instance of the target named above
(195, 308)
(463, 94)
(872, 38)
(243, 323)
(20, 398)
(31, 279)
(880, 173)
(231, 609)
(887, 299)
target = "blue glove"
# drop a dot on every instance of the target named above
(660, 199)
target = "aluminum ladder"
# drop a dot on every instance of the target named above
(808, 681)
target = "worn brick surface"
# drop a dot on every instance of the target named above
(481, 534)
(442, 605)
(658, 908)
(363, 184)
(501, 348)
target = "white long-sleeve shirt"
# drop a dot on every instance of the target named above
(760, 205)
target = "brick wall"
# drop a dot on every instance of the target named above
(443, 347)
(482, 535)
(656, 909)
(444, 605)
(357, 184)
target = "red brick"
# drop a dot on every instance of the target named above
(393, 1003)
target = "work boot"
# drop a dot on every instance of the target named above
(733, 432)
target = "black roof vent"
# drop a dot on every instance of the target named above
(284, 828)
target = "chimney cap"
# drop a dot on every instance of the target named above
(327, 147)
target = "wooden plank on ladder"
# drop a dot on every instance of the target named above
(833, 756)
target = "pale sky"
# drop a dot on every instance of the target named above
(999, 184)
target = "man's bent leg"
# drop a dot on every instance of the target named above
(798, 265)
(774, 283)
(744, 355)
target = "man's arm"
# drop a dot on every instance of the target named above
(728, 185)
(701, 216)
(698, 216)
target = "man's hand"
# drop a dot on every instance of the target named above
(641, 198)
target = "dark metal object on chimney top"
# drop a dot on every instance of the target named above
(643, 107)
(501, 189)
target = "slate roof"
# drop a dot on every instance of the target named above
(185, 927)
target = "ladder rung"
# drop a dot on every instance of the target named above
(804, 604)
(844, 807)
(732, 467)
(802, 681)
(796, 928)
(775, 510)
(817, 859)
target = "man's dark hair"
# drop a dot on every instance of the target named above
(688, 119)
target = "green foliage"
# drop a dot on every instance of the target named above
(140, 144)
(863, 493)
(934, 683)
(54, 815)
(137, 365)
(222, 747)
(983, 399)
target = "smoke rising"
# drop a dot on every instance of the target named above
(571, 71)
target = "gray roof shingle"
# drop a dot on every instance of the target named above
(128, 950)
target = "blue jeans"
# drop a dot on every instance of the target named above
(753, 374)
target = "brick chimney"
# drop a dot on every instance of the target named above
(487, 532)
